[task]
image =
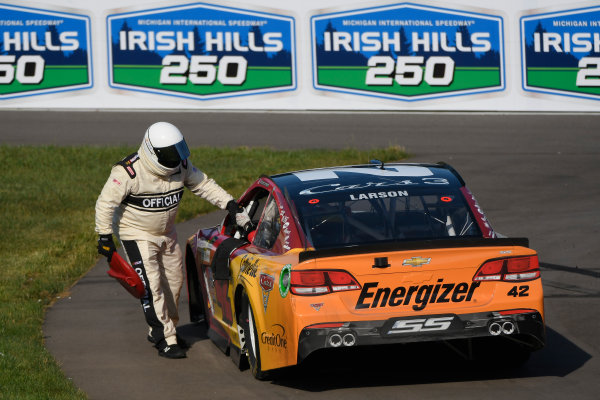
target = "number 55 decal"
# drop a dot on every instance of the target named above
(421, 325)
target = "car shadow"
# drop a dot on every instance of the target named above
(193, 332)
(421, 363)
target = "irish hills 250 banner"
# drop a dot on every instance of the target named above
(561, 53)
(202, 51)
(408, 52)
(43, 51)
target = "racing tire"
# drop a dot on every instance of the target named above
(248, 323)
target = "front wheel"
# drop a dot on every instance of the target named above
(248, 323)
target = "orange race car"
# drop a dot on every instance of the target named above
(363, 255)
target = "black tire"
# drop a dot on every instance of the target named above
(247, 322)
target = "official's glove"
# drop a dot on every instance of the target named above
(237, 212)
(106, 246)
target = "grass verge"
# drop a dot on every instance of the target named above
(47, 199)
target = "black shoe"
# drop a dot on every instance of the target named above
(151, 340)
(172, 351)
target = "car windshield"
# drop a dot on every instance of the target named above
(339, 219)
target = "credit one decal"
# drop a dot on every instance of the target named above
(43, 51)
(408, 52)
(201, 51)
(561, 53)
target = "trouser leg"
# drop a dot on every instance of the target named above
(146, 256)
(172, 262)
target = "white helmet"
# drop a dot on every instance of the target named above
(165, 144)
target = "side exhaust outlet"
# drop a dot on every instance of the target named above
(335, 340)
(349, 339)
(495, 329)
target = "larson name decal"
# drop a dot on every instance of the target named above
(379, 195)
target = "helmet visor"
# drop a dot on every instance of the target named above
(171, 156)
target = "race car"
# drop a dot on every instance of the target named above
(363, 255)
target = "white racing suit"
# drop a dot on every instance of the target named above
(138, 203)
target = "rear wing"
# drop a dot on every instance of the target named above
(413, 245)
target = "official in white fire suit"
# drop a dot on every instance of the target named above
(138, 204)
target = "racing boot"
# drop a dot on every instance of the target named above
(171, 351)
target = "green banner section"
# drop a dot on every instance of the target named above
(149, 77)
(54, 77)
(355, 78)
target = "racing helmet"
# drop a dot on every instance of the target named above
(165, 144)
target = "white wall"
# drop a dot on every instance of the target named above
(303, 95)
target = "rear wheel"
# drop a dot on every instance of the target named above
(248, 323)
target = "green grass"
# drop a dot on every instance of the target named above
(47, 198)
(54, 77)
(149, 77)
(558, 79)
(354, 78)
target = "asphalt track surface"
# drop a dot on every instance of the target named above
(534, 175)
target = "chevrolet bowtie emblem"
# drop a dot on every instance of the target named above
(416, 261)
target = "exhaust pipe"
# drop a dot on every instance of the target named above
(495, 329)
(508, 328)
(335, 340)
(349, 339)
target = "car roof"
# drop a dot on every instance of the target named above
(418, 174)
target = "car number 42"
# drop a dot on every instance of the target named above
(519, 291)
(421, 325)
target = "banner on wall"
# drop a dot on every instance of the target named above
(561, 53)
(408, 52)
(43, 51)
(201, 51)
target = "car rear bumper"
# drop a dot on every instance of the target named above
(526, 326)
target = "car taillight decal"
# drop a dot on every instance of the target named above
(509, 269)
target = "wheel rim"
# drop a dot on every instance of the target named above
(251, 333)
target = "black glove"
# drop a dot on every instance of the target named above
(233, 207)
(106, 246)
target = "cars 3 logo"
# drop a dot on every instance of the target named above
(408, 52)
(266, 282)
(43, 52)
(372, 297)
(201, 51)
(561, 53)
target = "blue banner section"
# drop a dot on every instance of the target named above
(43, 51)
(408, 51)
(561, 53)
(202, 51)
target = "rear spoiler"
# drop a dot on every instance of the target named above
(413, 245)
